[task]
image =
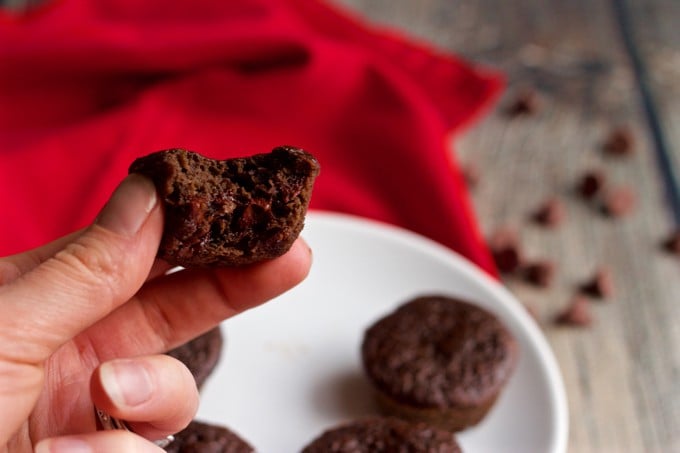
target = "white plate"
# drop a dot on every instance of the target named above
(291, 368)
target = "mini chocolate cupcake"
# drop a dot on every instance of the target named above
(384, 434)
(439, 360)
(201, 354)
(229, 212)
(201, 437)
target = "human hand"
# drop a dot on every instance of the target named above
(85, 317)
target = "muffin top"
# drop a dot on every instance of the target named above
(384, 434)
(201, 437)
(439, 352)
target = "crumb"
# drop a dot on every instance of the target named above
(540, 273)
(504, 247)
(618, 202)
(591, 183)
(576, 314)
(601, 285)
(525, 103)
(551, 213)
(619, 142)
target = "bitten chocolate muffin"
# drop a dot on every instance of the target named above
(439, 360)
(384, 434)
(229, 212)
(200, 437)
(201, 354)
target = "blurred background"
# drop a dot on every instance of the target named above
(592, 92)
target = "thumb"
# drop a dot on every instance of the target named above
(101, 269)
(91, 276)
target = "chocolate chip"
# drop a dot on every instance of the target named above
(601, 285)
(577, 313)
(504, 248)
(540, 273)
(618, 202)
(672, 243)
(526, 102)
(507, 259)
(551, 213)
(619, 142)
(591, 183)
(471, 175)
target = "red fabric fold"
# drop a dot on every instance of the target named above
(86, 87)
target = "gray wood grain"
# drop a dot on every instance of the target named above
(623, 373)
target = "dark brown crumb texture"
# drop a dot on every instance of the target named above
(375, 435)
(439, 352)
(200, 437)
(230, 212)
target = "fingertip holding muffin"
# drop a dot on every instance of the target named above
(439, 360)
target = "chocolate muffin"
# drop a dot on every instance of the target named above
(201, 437)
(439, 360)
(201, 354)
(229, 212)
(384, 434)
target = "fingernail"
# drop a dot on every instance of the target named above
(63, 445)
(127, 382)
(129, 206)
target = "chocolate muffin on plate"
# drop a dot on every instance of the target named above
(202, 437)
(439, 360)
(384, 434)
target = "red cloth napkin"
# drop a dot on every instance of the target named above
(87, 86)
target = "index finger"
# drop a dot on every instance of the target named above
(173, 309)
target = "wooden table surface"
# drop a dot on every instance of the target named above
(596, 64)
